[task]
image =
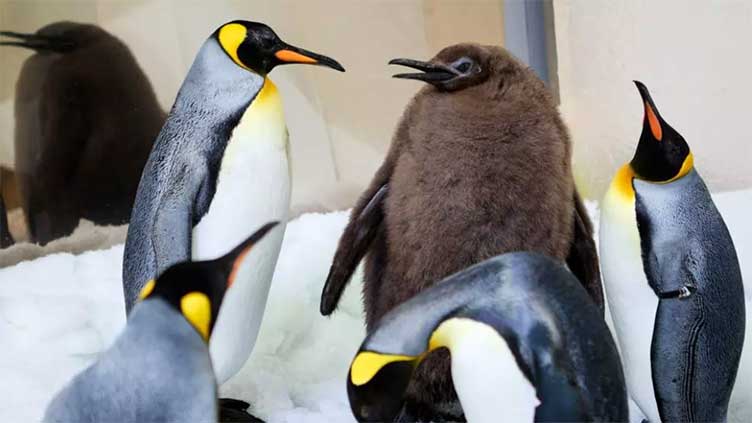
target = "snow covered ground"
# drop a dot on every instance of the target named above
(57, 312)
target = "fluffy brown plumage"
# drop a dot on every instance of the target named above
(478, 166)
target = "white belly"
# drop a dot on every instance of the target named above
(489, 383)
(253, 189)
(632, 303)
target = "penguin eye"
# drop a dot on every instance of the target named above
(464, 64)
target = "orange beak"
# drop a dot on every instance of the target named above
(288, 54)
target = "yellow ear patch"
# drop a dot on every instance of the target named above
(231, 36)
(196, 308)
(147, 289)
(368, 363)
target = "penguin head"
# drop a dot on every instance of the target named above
(467, 65)
(434, 319)
(386, 361)
(196, 289)
(256, 47)
(454, 68)
(58, 37)
(662, 154)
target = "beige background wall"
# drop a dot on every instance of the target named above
(695, 57)
(340, 124)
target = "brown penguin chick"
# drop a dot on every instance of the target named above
(86, 118)
(479, 166)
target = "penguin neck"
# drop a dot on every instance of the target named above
(482, 359)
(263, 122)
(157, 317)
(215, 86)
(623, 182)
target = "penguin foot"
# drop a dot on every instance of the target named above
(232, 410)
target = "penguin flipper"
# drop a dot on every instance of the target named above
(365, 223)
(583, 255)
(175, 217)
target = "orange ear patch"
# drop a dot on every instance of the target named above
(655, 125)
(293, 57)
(236, 266)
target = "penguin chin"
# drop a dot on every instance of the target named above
(381, 399)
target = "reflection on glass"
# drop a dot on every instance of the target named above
(86, 116)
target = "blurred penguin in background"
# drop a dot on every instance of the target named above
(6, 239)
(479, 166)
(86, 117)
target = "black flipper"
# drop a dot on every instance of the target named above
(232, 410)
(583, 256)
(6, 239)
(365, 223)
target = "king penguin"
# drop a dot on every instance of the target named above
(219, 168)
(672, 280)
(81, 101)
(479, 165)
(526, 344)
(158, 369)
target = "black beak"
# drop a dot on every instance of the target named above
(652, 120)
(288, 54)
(38, 42)
(431, 72)
(645, 94)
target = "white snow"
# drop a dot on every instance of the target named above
(57, 312)
(86, 237)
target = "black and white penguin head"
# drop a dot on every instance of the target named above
(515, 328)
(444, 316)
(467, 65)
(256, 47)
(662, 154)
(196, 289)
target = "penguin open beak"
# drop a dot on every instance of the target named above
(37, 42)
(432, 73)
(288, 54)
(652, 117)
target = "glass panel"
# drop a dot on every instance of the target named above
(83, 102)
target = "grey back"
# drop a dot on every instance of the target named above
(157, 370)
